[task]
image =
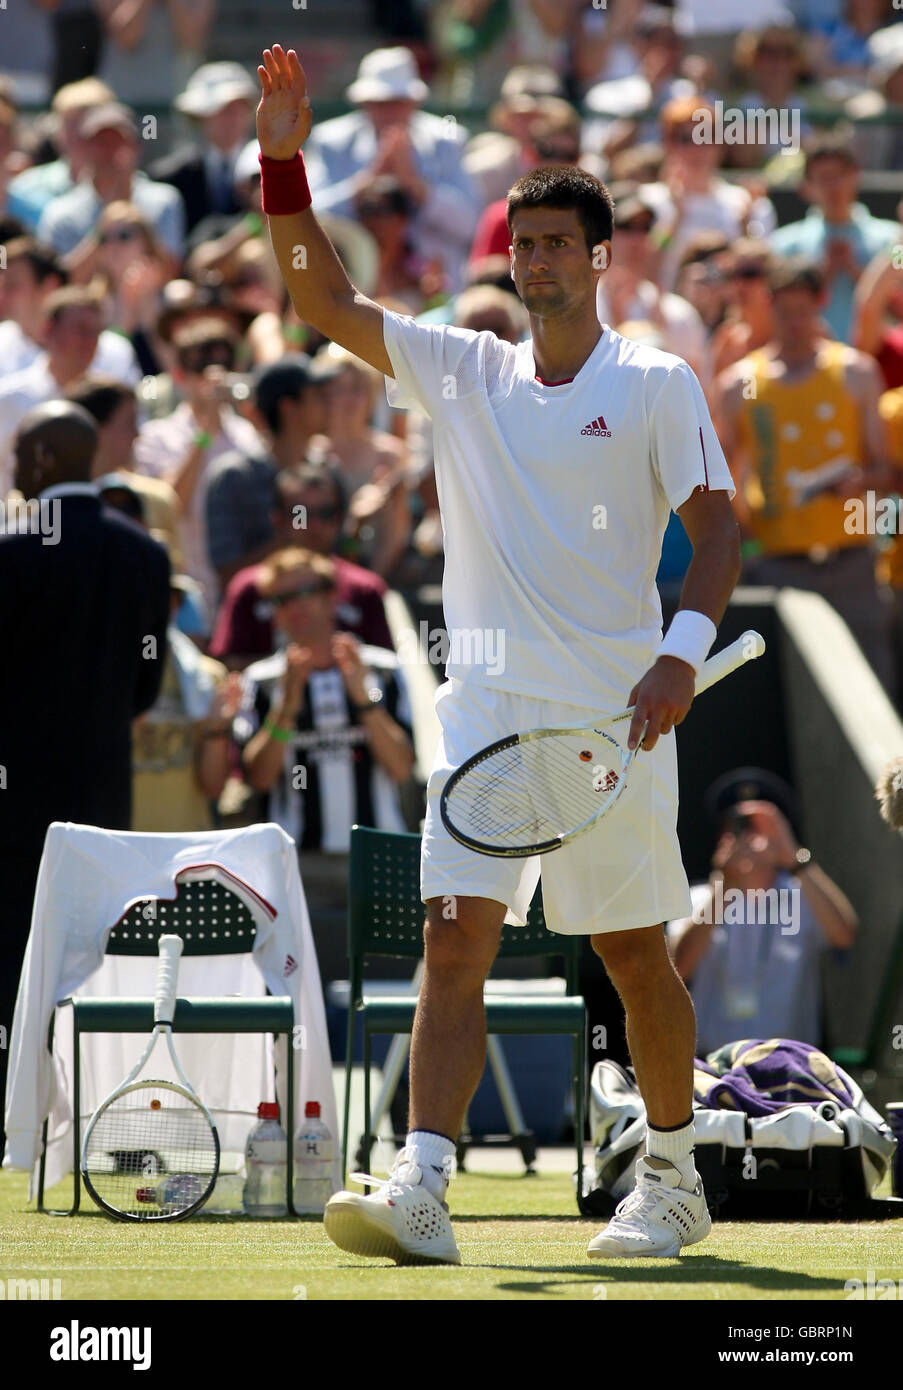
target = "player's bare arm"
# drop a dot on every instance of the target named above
(664, 695)
(320, 290)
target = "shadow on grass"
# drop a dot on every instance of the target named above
(680, 1272)
(540, 1218)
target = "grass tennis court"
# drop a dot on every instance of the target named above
(519, 1237)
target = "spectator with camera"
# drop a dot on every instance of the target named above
(750, 951)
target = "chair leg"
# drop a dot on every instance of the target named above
(523, 1138)
(366, 1142)
(393, 1067)
(580, 1108)
(290, 1122)
(76, 1115)
(42, 1166)
(76, 1118)
(349, 1062)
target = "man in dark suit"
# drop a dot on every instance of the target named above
(220, 98)
(84, 606)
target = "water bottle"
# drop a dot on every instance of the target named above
(313, 1163)
(227, 1196)
(176, 1190)
(266, 1159)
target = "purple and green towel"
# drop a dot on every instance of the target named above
(760, 1076)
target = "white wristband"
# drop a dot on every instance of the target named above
(689, 638)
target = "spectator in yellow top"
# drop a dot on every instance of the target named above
(890, 566)
(800, 427)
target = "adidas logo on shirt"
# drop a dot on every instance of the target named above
(597, 427)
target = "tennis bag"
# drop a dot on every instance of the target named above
(757, 1155)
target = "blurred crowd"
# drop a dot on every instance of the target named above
(139, 287)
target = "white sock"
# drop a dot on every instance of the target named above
(435, 1157)
(675, 1145)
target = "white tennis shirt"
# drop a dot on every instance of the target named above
(554, 502)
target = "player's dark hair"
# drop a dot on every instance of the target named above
(565, 186)
(796, 273)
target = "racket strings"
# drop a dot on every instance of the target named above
(529, 793)
(151, 1153)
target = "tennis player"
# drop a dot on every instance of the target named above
(558, 461)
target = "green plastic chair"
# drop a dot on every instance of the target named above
(867, 1059)
(211, 920)
(385, 918)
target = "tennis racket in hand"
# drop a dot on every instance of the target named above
(534, 792)
(151, 1150)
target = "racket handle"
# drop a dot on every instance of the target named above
(746, 648)
(170, 948)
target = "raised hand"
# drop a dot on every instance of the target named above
(284, 116)
(298, 666)
(347, 657)
(228, 697)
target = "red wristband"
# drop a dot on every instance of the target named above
(284, 186)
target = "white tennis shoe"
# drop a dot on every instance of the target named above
(656, 1220)
(402, 1221)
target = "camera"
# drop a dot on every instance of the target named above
(738, 822)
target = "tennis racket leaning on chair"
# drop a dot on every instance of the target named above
(534, 792)
(151, 1150)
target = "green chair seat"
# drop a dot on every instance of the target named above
(202, 1015)
(396, 1015)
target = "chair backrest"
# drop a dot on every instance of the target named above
(206, 914)
(385, 913)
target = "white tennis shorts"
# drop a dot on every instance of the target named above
(624, 873)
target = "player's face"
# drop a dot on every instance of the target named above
(553, 267)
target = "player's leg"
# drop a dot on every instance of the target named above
(606, 885)
(407, 1218)
(668, 1209)
(467, 896)
(661, 1024)
(448, 1046)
